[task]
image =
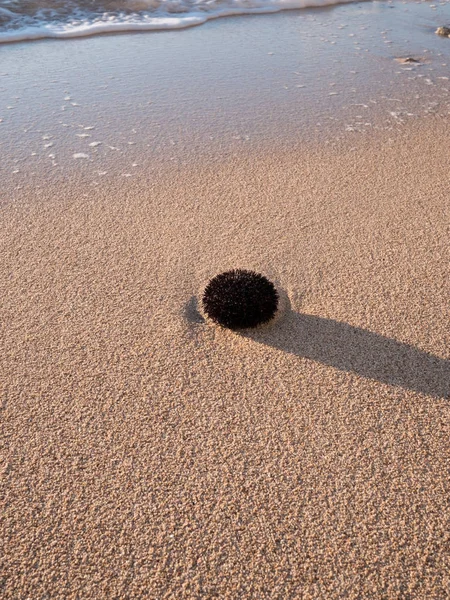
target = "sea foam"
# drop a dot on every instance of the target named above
(22, 20)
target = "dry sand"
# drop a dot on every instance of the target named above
(148, 454)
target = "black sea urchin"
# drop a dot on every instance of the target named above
(239, 299)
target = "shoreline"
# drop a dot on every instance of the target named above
(22, 185)
(127, 102)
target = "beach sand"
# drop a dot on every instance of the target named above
(149, 454)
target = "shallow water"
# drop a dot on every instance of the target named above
(118, 105)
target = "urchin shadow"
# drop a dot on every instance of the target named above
(349, 349)
(359, 351)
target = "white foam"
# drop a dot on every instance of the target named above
(163, 17)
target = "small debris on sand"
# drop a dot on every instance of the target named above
(445, 31)
(408, 60)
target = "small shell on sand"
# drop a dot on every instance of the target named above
(445, 31)
(81, 155)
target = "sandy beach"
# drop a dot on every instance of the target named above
(149, 454)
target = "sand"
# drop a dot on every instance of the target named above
(148, 454)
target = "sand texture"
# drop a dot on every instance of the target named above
(148, 454)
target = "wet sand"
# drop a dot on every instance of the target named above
(148, 454)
